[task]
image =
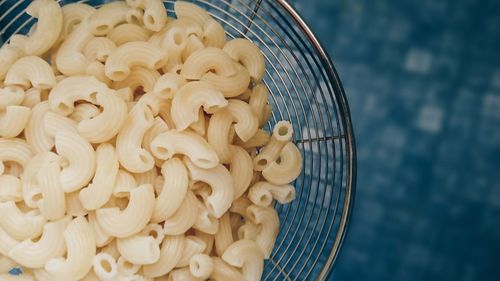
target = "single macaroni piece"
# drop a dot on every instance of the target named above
(81, 248)
(246, 123)
(31, 71)
(224, 271)
(224, 236)
(11, 95)
(208, 60)
(249, 231)
(131, 54)
(269, 153)
(131, 220)
(222, 185)
(214, 34)
(48, 27)
(289, 167)
(155, 14)
(186, 10)
(205, 222)
(201, 266)
(80, 157)
(53, 203)
(241, 169)
(173, 142)
(35, 133)
(167, 86)
(128, 32)
(246, 255)
(15, 150)
(101, 238)
(20, 225)
(125, 182)
(174, 190)
(190, 98)
(99, 48)
(69, 58)
(260, 138)
(105, 266)
(249, 55)
(139, 249)
(51, 245)
(170, 254)
(283, 131)
(159, 127)
(184, 218)
(262, 193)
(258, 99)
(10, 189)
(96, 69)
(268, 220)
(74, 14)
(13, 120)
(30, 187)
(8, 56)
(175, 41)
(100, 190)
(139, 77)
(127, 268)
(129, 140)
(84, 111)
(231, 86)
(73, 205)
(192, 246)
(193, 45)
(109, 15)
(155, 231)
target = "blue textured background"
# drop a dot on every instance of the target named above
(423, 83)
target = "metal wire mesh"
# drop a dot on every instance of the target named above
(306, 90)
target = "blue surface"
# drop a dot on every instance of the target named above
(423, 83)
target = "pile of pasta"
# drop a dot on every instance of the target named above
(131, 148)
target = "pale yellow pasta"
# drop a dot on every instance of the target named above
(99, 48)
(108, 123)
(214, 34)
(8, 56)
(191, 11)
(201, 266)
(249, 55)
(289, 167)
(159, 127)
(174, 39)
(80, 157)
(167, 85)
(283, 131)
(248, 230)
(109, 15)
(129, 141)
(259, 139)
(267, 219)
(6, 264)
(132, 219)
(170, 254)
(200, 126)
(231, 86)
(184, 218)
(224, 236)
(11, 95)
(125, 94)
(53, 203)
(224, 271)
(131, 54)
(20, 225)
(241, 169)
(125, 182)
(105, 266)
(208, 239)
(27, 276)
(236, 222)
(205, 221)
(74, 14)
(151, 101)
(246, 255)
(111, 249)
(13, 120)
(258, 98)
(222, 185)
(15, 150)
(31, 71)
(128, 32)
(139, 249)
(266, 114)
(269, 153)
(101, 238)
(262, 193)
(139, 77)
(155, 15)
(96, 69)
(208, 60)
(91, 276)
(51, 245)
(84, 111)
(155, 231)
(10, 189)
(7, 242)
(13, 169)
(81, 248)
(30, 188)
(173, 192)
(240, 206)
(182, 274)
(54, 123)
(218, 134)
(134, 16)
(193, 44)
(35, 133)
(48, 27)
(106, 171)
(246, 123)
(192, 246)
(32, 97)
(126, 268)
(173, 142)
(69, 59)
(73, 205)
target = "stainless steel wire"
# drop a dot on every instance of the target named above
(306, 90)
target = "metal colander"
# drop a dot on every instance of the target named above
(306, 90)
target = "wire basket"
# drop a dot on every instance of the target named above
(306, 90)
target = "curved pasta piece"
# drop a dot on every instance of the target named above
(174, 190)
(73, 15)
(96, 69)
(81, 248)
(222, 185)
(101, 238)
(51, 245)
(246, 255)
(69, 59)
(269, 223)
(48, 27)
(109, 15)
(218, 134)
(201, 266)
(246, 122)
(223, 271)
(288, 169)
(10, 189)
(108, 123)
(262, 193)
(80, 156)
(155, 15)
(7, 242)
(283, 131)
(8, 56)
(29, 71)
(167, 85)
(13, 120)
(53, 203)
(159, 127)
(170, 143)
(241, 169)
(131, 220)
(214, 34)
(99, 48)
(193, 44)
(100, 190)
(224, 236)
(186, 10)
(35, 133)
(84, 111)
(207, 60)
(72, 89)
(170, 254)
(260, 138)
(11, 95)
(105, 266)
(240, 206)
(182, 274)
(127, 268)
(184, 218)
(205, 221)
(20, 225)
(258, 99)
(231, 86)
(155, 231)
(190, 98)
(249, 55)
(125, 182)
(128, 142)
(135, 16)
(33, 97)
(53, 123)
(30, 188)
(131, 54)
(139, 249)
(16, 150)
(128, 32)
(269, 153)
(139, 77)
(192, 246)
